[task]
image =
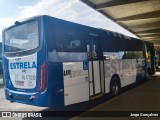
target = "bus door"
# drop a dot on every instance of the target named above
(93, 51)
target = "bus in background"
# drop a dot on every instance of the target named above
(150, 58)
(51, 62)
(157, 59)
(1, 70)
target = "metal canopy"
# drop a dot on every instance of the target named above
(141, 17)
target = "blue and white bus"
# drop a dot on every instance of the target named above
(51, 62)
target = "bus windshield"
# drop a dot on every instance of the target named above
(22, 37)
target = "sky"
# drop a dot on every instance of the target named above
(70, 10)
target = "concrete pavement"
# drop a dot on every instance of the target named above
(145, 97)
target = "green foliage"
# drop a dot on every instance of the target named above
(133, 55)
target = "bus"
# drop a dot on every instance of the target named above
(51, 62)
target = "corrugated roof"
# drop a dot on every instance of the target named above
(141, 17)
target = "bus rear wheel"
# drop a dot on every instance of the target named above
(115, 86)
(149, 72)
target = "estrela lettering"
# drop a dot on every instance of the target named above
(23, 65)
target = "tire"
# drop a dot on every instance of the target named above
(149, 72)
(115, 86)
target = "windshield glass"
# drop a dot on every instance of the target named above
(22, 38)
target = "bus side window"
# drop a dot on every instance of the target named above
(70, 41)
(133, 55)
(88, 48)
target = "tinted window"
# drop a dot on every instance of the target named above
(69, 41)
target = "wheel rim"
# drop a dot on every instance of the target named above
(115, 89)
